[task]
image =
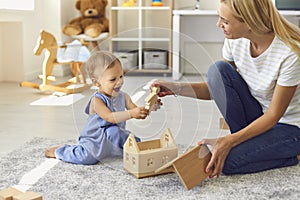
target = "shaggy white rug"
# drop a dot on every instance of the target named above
(108, 180)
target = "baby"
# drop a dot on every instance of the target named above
(104, 133)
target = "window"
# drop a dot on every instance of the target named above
(17, 4)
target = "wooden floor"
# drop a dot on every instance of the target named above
(189, 120)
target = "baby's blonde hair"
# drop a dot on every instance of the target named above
(98, 62)
(263, 17)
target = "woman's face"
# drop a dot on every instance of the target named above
(231, 26)
(111, 80)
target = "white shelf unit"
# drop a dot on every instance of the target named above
(141, 27)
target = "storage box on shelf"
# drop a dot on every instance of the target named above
(155, 59)
(128, 59)
(140, 27)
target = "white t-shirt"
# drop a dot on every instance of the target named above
(277, 65)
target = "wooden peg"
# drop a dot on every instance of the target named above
(152, 97)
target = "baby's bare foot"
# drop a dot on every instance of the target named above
(50, 153)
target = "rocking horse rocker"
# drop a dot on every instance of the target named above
(74, 85)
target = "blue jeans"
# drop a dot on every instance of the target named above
(277, 147)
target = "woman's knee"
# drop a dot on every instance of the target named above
(217, 68)
(216, 72)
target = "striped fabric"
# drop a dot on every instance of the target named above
(277, 65)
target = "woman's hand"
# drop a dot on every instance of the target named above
(166, 88)
(221, 148)
(139, 112)
(156, 106)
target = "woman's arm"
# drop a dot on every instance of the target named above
(281, 99)
(193, 90)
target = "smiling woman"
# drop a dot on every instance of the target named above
(17, 5)
(255, 87)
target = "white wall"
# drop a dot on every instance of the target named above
(1, 55)
(11, 54)
(18, 34)
(8, 22)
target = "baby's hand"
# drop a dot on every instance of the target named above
(139, 112)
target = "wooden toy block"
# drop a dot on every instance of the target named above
(152, 97)
(223, 124)
(142, 158)
(190, 166)
(15, 194)
(8, 193)
(28, 196)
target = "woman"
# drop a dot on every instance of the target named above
(255, 88)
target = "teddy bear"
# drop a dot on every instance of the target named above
(92, 21)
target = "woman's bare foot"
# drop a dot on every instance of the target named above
(50, 153)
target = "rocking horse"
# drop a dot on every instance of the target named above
(74, 85)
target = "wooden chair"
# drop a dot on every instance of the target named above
(74, 85)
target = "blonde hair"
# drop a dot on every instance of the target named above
(98, 62)
(263, 17)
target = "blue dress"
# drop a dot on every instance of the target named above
(98, 139)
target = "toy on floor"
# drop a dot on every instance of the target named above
(14, 194)
(152, 98)
(190, 166)
(76, 84)
(157, 3)
(142, 158)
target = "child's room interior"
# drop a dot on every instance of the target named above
(45, 88)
